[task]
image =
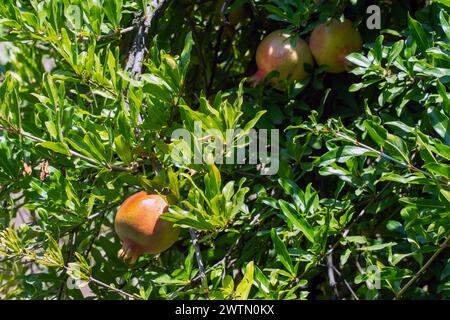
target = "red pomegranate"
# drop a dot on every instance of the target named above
(331, 42)
(276, 53)
(139, 226)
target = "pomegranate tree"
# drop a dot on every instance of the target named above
(140, 227)
(331, 42)
(239, 14)
(276, 53)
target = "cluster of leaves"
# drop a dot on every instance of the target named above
(362, 195)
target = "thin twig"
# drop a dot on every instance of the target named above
(344, 233)
(210, 269)
(104, 37)
(139, 46)
(71, 153)
(116, 33)
(72, 240)
(95, 235)
(224, 8)
(423, 269)
(388, 157)
(137, 55)
(102, 284)
(346, 283)
(198, 256)
(359, 216)
(220, 262)
(66, 268)
(331, 278)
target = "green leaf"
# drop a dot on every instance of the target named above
(444, 2)
(359, 60)
(244, 287)
(173, 184)
(377, 247)
(297, 221)
(444, 19)
(423, 203)
(396, 147)
(58, 147)
(94, 145)
(282, 252)
(261, 281)
(442, 149)
(342, 154)
(213, 181)
(376, 132)
(440, 123)
(123, 149)
(439, 169)
(157, 87)
(378, 48)
(395, 51)
(249, 125)
(446, 194)
(228, 285)
(186, 54)
(418, 34)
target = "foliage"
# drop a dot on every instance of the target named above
(362, 192)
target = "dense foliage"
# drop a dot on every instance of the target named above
(360, 206)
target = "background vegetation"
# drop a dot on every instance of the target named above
(363, 187)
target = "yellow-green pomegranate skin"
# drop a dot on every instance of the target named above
(140, 227)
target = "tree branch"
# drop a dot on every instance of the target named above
(138, 48)
(136, 57)
(423, 269)
(331, 278)
(390, 158)
(198, 256)
(72, 240)
(346, 283)
(71, 152)
(107, 286)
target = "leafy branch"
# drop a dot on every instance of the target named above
(422, 270)
(70, 152)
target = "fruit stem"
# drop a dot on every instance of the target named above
(257, 78)
(129, 253)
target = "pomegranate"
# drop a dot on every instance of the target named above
(139, 226)
(275, 53)
(331, 42)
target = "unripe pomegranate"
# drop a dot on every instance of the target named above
(275, 53)
(139, 226)
(331, 42)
